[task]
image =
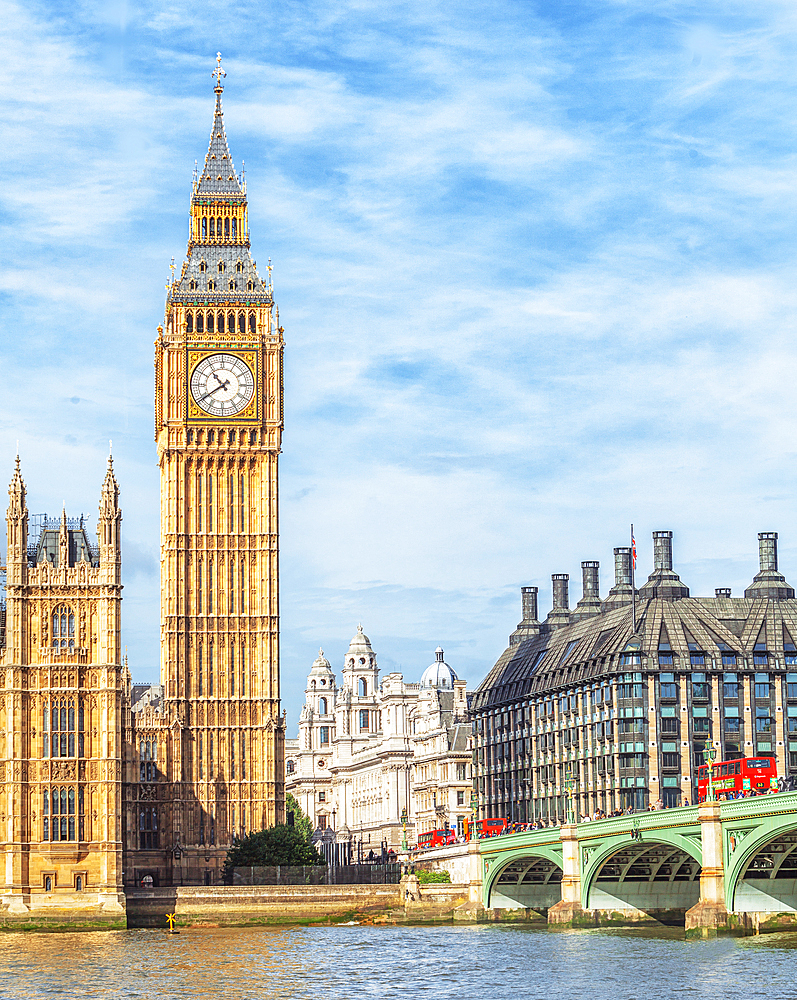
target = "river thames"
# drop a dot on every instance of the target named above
(353, 961)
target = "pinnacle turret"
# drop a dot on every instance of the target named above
(109, 502)
(16, 491)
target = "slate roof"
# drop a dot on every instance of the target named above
(218, 178)
(590, 649)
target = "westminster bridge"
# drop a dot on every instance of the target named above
(721, 867)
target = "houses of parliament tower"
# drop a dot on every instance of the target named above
(218, 427)
(96, 796)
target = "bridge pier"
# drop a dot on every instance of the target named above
(709, 917)
(568, 911)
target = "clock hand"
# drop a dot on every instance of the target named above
(222, 386)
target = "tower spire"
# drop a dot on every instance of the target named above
(218, 178)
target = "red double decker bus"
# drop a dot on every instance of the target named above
(749, 775)
(490, 827)
(436, 838)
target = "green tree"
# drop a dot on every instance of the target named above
(300, 819)
(279, 845)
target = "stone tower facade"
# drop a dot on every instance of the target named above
(62, 703)
(218, 426)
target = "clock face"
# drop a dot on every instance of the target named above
(222, 385)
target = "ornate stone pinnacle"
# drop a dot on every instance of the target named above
(218, 73)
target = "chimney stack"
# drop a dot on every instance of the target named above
(768, 550)
(560, 613)
(662, 550)
(590, 603)
(620, 594)
(769, 583)
(560, 585)
(722, 591)
(529, 626)
(528, 598)
(663, 583)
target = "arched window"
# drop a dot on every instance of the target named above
(241, 323)
(212, 227)
(210, 315)
(221, 267)
(189, 322)
(226, 228)
(252, 437)
(78, 883)
(48, 882)
(231, 318)
(147, 829)
(290, 767)
(322, 706)
(211, 285)
(234, 229)
(363, 687)
(252, 324)
(64, 810)
(60, 726)
(200, 323)
(239, 266)
(250, 286)
(218, 227)
(64, 627)
(203, 266)
(233, 286)
(220, 324)
(204, 229)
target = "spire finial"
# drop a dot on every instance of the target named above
(218, 73)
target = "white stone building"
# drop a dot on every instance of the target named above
(366, 751)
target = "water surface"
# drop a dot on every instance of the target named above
(326, 963)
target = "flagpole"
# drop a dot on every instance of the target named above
(633, 589)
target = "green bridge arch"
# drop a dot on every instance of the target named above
(495, 862)
(596, 852)
(752, 837)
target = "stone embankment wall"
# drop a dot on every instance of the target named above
(212, 906)
(62, 911)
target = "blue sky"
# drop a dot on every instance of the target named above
(535, 264)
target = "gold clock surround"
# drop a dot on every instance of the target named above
(250, 414)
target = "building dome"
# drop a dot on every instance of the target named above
(321, 674)
(321, 663)
(439, 675)
(360, 643)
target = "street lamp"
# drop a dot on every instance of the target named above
(474, 805)
(710, 754)
(404, 828)
(570, 784)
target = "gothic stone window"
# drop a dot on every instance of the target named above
(62, 813)
(148, 757)
(147, 828)
(63, 720)
(63, 627)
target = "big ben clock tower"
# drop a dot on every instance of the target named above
(218, 425)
